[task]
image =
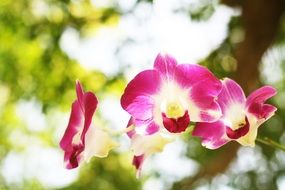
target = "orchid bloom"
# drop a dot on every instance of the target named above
(170, 95)
(144, 146)
(241, 116)
(163, 100)
(82, 140)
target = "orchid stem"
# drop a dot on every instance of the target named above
(270, 142)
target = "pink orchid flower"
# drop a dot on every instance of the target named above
(241, 116)
(163, 100)
(82, 140)
(170, 95)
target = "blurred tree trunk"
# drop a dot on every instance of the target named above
(260, 20)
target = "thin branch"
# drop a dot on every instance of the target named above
(270, 142)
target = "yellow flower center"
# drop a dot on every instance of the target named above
(174, 110)
(238, 124)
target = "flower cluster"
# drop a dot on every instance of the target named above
(162, 102)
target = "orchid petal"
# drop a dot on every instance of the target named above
(258, 113)
(237, 133)
(137, 96)
(166, 65)
(255, 103)
(204, 88)
(138, 162)
(80, 95)
(90, 104)
(231, 93)
(213, 134)
(205, 107)
(98, 143)
(176, 125)
(249, 138)
(232, 101)
(75, 124)
(73, 158)
(148, 144)
(152, 128)
(145, 127)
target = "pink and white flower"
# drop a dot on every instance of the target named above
(82, 140)
(171, 95)
(163, 100)
(241, 116)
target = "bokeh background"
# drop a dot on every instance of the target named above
(45, 45)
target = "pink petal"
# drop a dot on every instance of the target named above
(148, 128)
(191, 75)
(166, 65)
(152, 128)
(141, 108)
(138, 162)
(255, 102)
(235, 134)
(90, 104)
(80, 119)
(204, 99)
(231, 93)
(267, 111)
(136, 99)
(80, 95)
(74, 157)
(176, 125)
(205, 116)
(213, 134)
(205, 88)
(75, 120)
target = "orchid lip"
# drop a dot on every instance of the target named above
(242, 130)
(176, 125)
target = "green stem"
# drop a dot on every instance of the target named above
(270, 142)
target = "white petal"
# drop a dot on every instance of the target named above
(171, 94)
(97, 143)
(249, 138)
(149, 144)
(235, 115)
